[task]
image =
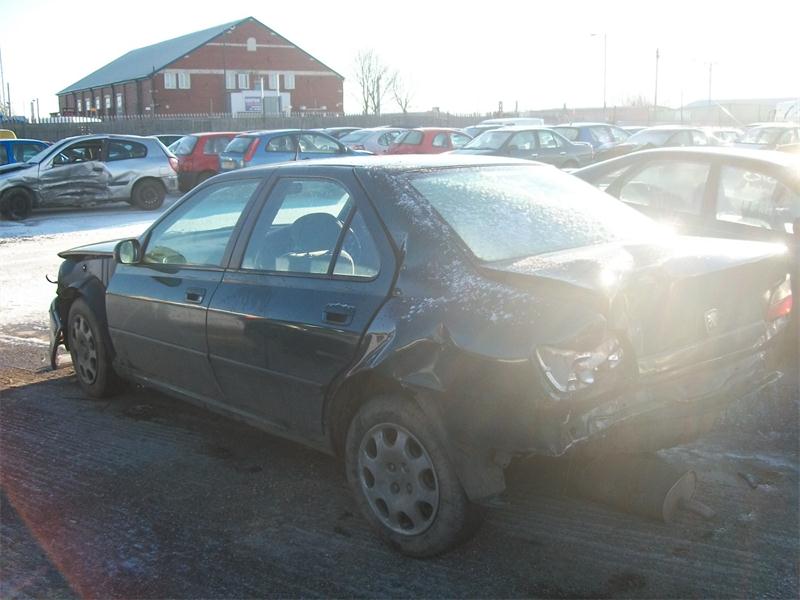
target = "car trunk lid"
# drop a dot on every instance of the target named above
(693, 299)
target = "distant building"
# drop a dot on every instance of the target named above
(738, 111)
(217, 70)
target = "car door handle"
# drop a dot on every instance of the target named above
(562, 153)
(98, 169)
(195, 295)
(339, 314)
(534, 155)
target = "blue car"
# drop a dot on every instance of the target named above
(19, 151)
(280, 145)
(599, 135)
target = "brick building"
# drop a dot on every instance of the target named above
(239, 67)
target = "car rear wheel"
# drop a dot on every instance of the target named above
(148, 195)
(403, 481)
(89, 348)
(17, 204)
(203, 176)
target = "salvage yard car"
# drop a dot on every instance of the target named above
(89, 170)
(427, 319)
(717, 191)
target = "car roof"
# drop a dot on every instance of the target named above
(437, 129)
(524, 128)
(16, 140)
(583, 124)
(391, 163)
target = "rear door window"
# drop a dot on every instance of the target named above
(411, 138)
(124, 150)
(299, 228)
(215, 145)
(281, 143)
(440, 140)
(748, 197)
(547, 140)
(668, 185)
(3, 154)
(318, 144)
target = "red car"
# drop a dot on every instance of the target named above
(198, 156)
(428, 140)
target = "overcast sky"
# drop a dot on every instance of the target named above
(461, 56)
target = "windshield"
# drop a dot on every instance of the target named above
(43, 153)
(488, 140)
(355, 136)
(239, 145)
(184, 146)
(656, 137)
(762, 135)
(507, 212)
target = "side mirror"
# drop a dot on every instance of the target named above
(127, 252)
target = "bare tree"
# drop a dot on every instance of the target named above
(637, 100)
(374, 80)
(401, 92)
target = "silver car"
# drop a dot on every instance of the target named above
(376, 140)
(88, 170)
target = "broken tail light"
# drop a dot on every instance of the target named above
(780, 308)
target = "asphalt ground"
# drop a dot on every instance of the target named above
(143, 496)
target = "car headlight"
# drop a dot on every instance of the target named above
(572, 370)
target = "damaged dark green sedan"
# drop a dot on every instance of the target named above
(428, 320)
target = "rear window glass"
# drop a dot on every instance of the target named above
(411, 138)
(239, 145)
(502, 213)
(185, 146)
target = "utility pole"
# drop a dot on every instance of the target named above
(38, 115)
(655, 97)
(605, 72)
(2, 85)
(710, 66)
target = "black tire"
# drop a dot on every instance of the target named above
(17, 204)
(89, 346)
(148, 194)
(417, 478)
(202, 177)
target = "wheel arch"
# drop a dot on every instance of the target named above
(20, 186)
(91, 291)
(481, 476)
(146, 179)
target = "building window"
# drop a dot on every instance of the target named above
(288, 81)
(119, 102)
(169, 81)
(251, 44)
(244, 81)
(108, 101)
(272, 81)
(97, 103)
(184, 81)
(230, 80)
